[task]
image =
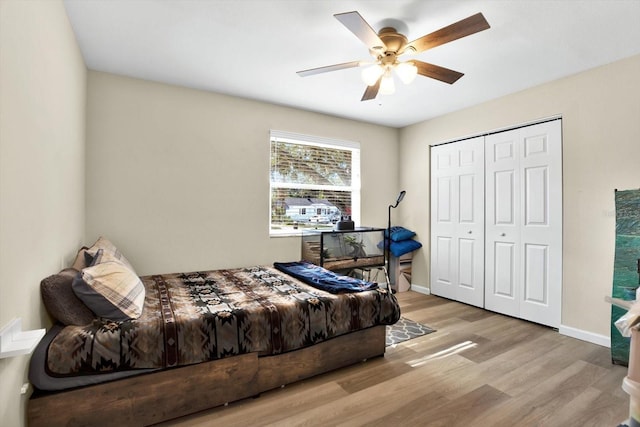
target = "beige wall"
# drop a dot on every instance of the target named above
(42, 104)
(179, 178)
(601, 152)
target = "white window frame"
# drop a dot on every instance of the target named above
(318, 141)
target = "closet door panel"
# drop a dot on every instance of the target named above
(470, 288)
(524, 223)
(541, 229)
(536, 277)
(502, 242)
(471, 228)
(505, 269)
(468, 202)
(466, 250)
(444, 274)
(444, 217)
(503, 148)
(536, 203)
(457, 185)
(503, 200)
(500, 287)
(444, 200)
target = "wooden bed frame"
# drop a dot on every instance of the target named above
(159, 396)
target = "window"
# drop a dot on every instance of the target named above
(314, 181)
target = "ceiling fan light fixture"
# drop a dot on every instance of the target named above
(407, 72)
(370, 75)
(388, 44)
(387, 87)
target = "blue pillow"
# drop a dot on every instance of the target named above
(400, 233)
(404, 247)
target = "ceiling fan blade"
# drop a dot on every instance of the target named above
(437, 72)
(463, 28)
(336, 67)
(358, 26)
(371, 91)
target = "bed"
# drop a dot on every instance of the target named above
(201, 339)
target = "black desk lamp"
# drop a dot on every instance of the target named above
(387, 237)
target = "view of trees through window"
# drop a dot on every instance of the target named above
(312, 184)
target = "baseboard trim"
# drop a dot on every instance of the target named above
(420, 289)
(585, 336)
(569, 331)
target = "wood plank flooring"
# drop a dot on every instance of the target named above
(478, 369)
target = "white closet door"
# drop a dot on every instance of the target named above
(523, 249)
(457, 221)
(502, 225)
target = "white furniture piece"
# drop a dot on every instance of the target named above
(15, 342)
(496, 222)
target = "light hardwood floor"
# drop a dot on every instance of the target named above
(478, 369)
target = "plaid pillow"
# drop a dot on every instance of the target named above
(110, 289)
(110, 252)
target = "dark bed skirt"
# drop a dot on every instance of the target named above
(162, 395)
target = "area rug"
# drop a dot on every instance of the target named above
(406, 329)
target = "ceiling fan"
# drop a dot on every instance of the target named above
(388, 45)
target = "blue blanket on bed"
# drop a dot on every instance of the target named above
(322, 278)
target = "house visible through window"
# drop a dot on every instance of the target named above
(314, 181)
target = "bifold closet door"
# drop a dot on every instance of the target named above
(457, 221)
(523, 250)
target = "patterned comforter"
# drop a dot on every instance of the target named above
(194, 317)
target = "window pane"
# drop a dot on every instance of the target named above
(314, 182)
(300, 209)
(308, 164)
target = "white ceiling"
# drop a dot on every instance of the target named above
(253, 48)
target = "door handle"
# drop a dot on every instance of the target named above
(470, 232)
(503, 234)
